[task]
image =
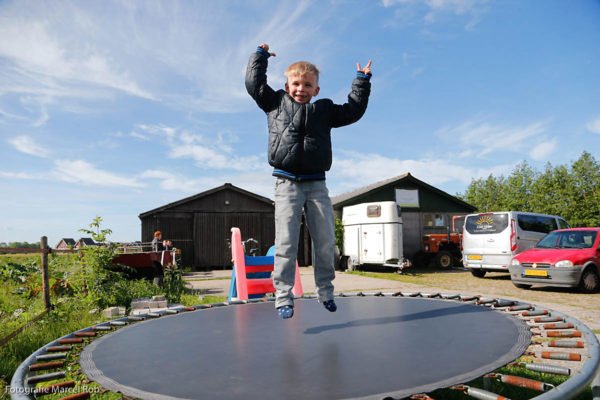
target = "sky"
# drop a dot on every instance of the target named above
(113, 108)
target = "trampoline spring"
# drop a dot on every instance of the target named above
(469, 298)
(378, 294)
(579, 344)
(189, 308)
(102, 328)
(46, 365)
(54, 388)
(546, 368)
(484, 301)
(396, 294)
(49, 357)
(360, 294)
(154, 315)
(561, 325)
(504, 303)
(571, 334)
(136, 318)
(534, 313)
(450, 296)
(541, 320)
(85, 334)
(170, 311)
(118, 323)
(44, 377)
(420, 396)
(431, 295)
(557, 355)
(415, 294)
(522, 382)
(71, 341)
(477, 393)
(55, 349)
(522, 307)
(236, 302)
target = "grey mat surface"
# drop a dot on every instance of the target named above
(372, 347)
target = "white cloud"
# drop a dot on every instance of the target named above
(431, 11)
(478, 139)
(543, 150)
(80, 171)
(207, 151)
(17, 175)
(27, 145)
(363, 169)
(594, 126)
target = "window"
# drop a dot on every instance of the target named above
(486, 223)
(536, 223)
(373, 211)
(562, 224)
(433, 220)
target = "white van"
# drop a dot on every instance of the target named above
(490, 240)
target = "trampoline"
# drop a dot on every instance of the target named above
(376, 346)
(371, 348)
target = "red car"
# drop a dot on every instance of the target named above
(565, 257)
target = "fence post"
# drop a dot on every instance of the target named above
(45, 279)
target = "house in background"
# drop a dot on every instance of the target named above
(65, 244)
(85, 242)
(425, 209)
(200, 225)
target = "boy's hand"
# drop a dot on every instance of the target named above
(366, 70)
(265, 47)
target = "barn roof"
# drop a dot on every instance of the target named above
(208, 193)
(348, 197)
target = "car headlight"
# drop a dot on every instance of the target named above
(515, 262)
(564, 264)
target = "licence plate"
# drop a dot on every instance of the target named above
(536, 272)
(474, 257)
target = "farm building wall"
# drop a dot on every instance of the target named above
(201, 225)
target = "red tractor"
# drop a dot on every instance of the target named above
(444, 250)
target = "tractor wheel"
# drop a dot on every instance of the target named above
(444, 260)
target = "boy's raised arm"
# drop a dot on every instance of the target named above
(358, 99)
(256, 78)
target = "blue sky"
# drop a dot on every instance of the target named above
(113, 108)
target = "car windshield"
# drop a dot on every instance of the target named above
(568, 240)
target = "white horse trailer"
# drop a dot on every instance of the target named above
(373, 235)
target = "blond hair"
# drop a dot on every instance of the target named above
(302, 68)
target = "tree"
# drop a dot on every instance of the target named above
(571, 192)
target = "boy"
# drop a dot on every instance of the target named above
(300, 152)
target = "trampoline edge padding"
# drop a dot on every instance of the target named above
(336, 336)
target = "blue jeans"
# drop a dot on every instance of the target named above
(291, 198)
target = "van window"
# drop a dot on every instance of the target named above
(486, 223)
(562, 224)
(536, 223)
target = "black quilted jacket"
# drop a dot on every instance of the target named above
(300, 134)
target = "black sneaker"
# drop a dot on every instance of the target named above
(330, 305)
(285, 312)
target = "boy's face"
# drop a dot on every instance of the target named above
(302, 88)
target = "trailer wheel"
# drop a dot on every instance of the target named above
(444, 259)
(345, 263)
(478, 273)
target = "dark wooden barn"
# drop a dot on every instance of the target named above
(200, 225)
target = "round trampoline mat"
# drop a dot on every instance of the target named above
(372, 347)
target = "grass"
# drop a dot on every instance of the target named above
(20, 301)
